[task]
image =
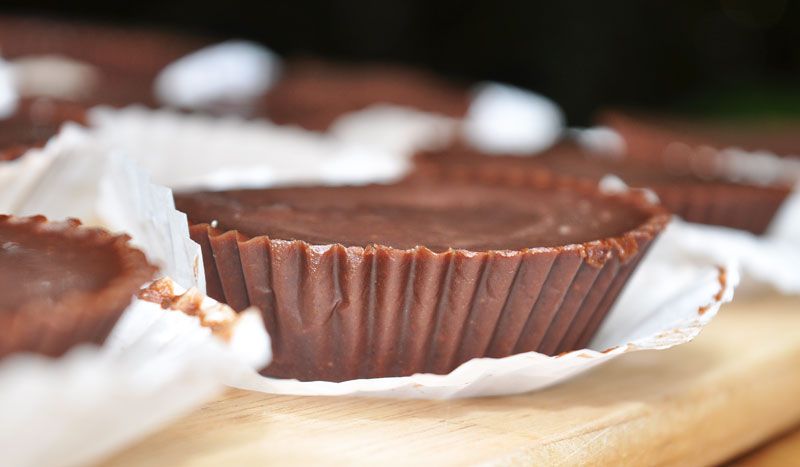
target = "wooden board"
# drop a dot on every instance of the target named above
(734, 387)
(781, 452)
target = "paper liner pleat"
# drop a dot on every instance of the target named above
(338, 313)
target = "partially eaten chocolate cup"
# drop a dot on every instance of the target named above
(63, 284)
(419, 277)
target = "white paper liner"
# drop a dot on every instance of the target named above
(501, 119)
(192, 151)
(396, 130)
(54, 76)
(77, 176)
(8, 90)
(504, 119)
(235, 71)
(155, 366)
(772, 259)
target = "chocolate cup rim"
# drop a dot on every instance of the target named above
(626, 122)
(427, 167)
(656, 221)
(135, 272)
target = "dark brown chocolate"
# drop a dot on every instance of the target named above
(695, 198)
(376, 281)
(34, 122)
(313, 94)
(62, 284)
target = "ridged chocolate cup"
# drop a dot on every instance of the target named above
(52, 327)
(650, 136)
(742, 207)
(340, 312)
(736, 205)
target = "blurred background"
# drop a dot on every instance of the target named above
(724, 58)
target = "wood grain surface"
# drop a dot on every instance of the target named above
(734, 387)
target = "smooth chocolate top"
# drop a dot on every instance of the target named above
(438, 216)
(46, 265)
(313, 94)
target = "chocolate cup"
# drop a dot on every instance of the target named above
(736, 205)
(35, 121)
(52, 327)
(137, 51)
(748, 208)
(346, 312)
(650, 136)
(313, 94)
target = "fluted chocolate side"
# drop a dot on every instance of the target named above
(736, 205)
(52, 327)
(338, 313)
(748, 208)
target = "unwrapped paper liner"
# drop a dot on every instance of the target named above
(667, 302)
(501, 119)
(77, 176)
(194, 151)
(155, 366)
(9, 96)
(394, 130)
(504, 119)
(235, 71)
